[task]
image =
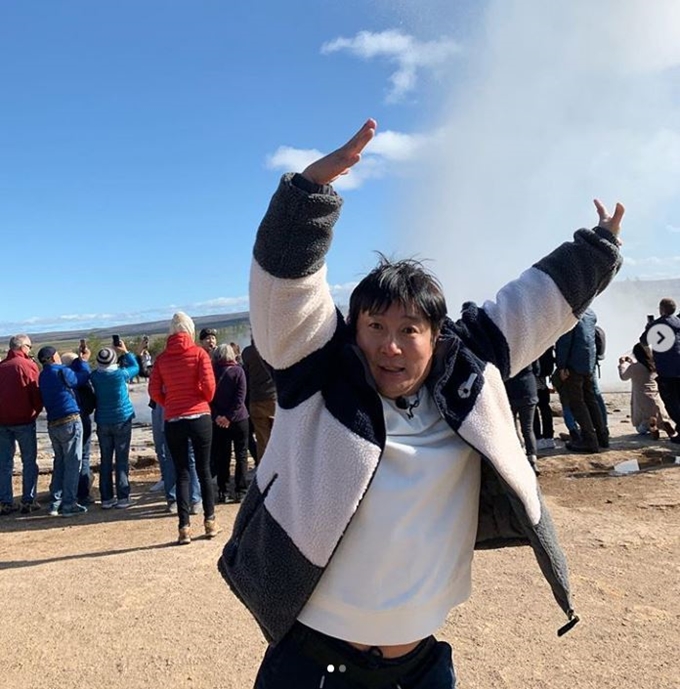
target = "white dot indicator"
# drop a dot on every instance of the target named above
(330, 668)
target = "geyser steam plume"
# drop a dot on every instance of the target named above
(555, 104)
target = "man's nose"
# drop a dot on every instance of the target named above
(391, 345)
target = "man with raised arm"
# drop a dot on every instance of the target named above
(393, 453)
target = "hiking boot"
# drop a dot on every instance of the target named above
(184, 535)
(7, 508)
(28, 507)
(582, 447)
(211, 528)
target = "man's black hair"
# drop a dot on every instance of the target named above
(404, 282)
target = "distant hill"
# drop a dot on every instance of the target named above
(217, 321)
(626, 295)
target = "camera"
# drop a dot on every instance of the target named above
(116, 340)
(83, 345)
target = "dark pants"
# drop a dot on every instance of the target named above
(178, 435)
(669, 389)
(85, 480)
(288, 666)
(525, 412)
(579, 394)
(237, 433)
(543, 420)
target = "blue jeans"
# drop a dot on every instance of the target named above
(85, 480)
(114, 438)
(165, 462)
(24, 435)
(67, 443)
(285, 666)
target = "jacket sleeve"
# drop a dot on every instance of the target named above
(129, 366)
(533, 311)
(81, 370)
(625, 370)
(291, 309)
(296, 326)
(34, 390)
(239, 397)
(206, 376)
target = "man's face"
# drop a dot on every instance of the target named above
(398, 345)
(209, 343)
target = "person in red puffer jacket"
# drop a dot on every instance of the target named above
(182, 381)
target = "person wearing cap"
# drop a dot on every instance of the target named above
(207, 338)
(114, 412)
(64, 426)
(20, 404)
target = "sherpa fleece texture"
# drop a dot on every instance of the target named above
(329, 430)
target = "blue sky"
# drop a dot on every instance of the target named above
(140, 141)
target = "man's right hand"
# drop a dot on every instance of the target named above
(337, 163)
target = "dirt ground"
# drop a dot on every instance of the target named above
(108, 600)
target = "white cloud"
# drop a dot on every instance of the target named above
(409, 55)
(673, 228)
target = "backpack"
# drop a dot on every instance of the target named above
(600, 343)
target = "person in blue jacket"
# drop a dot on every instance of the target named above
(57, 386)
(114, 412)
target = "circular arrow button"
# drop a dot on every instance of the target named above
(661, 337)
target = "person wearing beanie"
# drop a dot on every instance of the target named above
(58, 384)
(207, 338)
(182, 381)
(114, 412)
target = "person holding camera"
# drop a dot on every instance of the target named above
(647, 412)
(114, 412)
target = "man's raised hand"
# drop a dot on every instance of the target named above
(337, 163)
(609, 222)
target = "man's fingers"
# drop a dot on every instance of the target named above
(601, 210)
(618, 213)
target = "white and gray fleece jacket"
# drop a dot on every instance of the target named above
(329, 431)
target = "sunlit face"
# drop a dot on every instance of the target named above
(398, 345)
(209, 343)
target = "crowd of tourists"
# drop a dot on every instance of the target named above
(209, 402)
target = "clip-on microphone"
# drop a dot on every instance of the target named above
(403, 404)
